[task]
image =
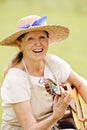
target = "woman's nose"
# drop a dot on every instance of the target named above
(38, 43)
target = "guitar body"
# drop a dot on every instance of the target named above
(79, 110)
(75, 104)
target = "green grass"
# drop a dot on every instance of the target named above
(73, 49)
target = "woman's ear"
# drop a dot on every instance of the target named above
(18, 44)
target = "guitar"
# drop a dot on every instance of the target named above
(75, 104)
(80, 111)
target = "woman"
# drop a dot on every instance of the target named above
(26, 103)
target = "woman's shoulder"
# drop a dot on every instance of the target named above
(53, 58)
(16, 72)
(56, 62)
(17, 69)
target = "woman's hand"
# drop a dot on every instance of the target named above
(84, 120)
(60, 104)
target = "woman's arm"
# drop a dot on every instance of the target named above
(27, 120)
(80, 84)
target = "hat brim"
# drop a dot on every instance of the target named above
(57, 33)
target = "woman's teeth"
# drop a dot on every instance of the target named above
(38, 50)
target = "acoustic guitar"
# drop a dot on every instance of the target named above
(75, 104)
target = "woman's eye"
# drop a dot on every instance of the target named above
(30, 38)
(42, 37)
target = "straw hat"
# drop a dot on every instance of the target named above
(57, 33)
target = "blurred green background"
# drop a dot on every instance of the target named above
(70, 13)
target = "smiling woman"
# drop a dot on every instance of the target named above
(25, 101)
(34, 47)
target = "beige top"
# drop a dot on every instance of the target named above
(18, 86)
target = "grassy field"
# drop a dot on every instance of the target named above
(73, 49)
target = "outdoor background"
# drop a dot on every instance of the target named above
(70, 13)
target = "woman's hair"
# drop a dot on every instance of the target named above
(18, 57)
(21, 36)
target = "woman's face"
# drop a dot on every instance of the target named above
(34, 45)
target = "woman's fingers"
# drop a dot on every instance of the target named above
(83, 119)
(60, 104)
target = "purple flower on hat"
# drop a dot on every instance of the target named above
(35, 23)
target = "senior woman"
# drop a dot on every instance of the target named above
(26, 103)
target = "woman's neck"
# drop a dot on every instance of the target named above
(35, 68)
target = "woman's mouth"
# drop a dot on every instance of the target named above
(38, 50)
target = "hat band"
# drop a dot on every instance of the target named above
(35, 23)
